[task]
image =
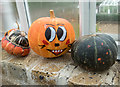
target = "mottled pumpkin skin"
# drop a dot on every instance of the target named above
(54, 48)
(14, 43)
(95, 52)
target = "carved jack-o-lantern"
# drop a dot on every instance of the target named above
(51, 37)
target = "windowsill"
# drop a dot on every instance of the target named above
(36, 70)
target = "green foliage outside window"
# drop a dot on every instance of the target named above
(107, 17)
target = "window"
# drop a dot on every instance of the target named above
(107, 18)
(9, 16)
(67, 10)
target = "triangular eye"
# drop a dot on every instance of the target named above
(50, 34)
(61, 33)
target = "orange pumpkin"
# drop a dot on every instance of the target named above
(16, 43)
(51, 37)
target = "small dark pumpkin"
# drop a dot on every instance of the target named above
(15, 42)
(95, 52)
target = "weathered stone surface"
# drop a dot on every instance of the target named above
(47, 70)
(17, 68)
(36, 70)
(118, 68)
(17, 72)
(64, 75)
(5, 82)
(28, 61)
(4, 68)
(83, 77)
(5, 55)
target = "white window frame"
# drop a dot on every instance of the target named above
(87, 14)
(0, 21)
(24, 16)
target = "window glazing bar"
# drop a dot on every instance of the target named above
(87, 14)
(24, 24)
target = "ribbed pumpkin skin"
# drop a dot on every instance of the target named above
(14, 43)
(95, 52)
(41, 45)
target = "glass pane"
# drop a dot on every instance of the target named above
(67, 10)
(0, 21)
(9, 16)
(107, 17)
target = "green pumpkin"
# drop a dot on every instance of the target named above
(95, 52)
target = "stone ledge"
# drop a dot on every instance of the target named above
(82, 77)
(36, 70)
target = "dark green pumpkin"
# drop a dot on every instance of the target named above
(95, 52)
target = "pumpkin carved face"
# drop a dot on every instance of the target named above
(51, 37)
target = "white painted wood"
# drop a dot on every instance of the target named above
(92, 17)
(87, 17)
(84, 18)
(27, 12)
(1, 20)
(118, 43)
(24, 26)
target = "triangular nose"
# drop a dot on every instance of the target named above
(57, 44)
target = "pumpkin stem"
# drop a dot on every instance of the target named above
(23, 33)
(52, 14)
(93, 35)
(17, 25)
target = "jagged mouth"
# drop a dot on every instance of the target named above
(56, 52)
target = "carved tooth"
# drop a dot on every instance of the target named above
(52, 50)
(61, 50)
(55, 50)
(58, 50)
